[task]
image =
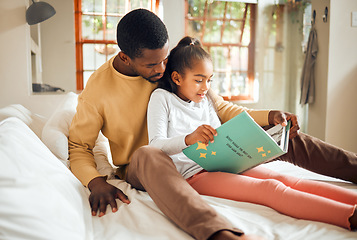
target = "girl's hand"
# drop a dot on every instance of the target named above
(203, 133)
(279, 117)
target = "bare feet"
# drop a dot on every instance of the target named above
(353, 220)
(227, 235)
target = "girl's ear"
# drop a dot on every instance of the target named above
(176, 78)
(125, 58)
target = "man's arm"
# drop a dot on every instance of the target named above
(227, 110)
(83, 133)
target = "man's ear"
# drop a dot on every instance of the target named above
(176, 78)
(125, 58)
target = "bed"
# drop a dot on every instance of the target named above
(41, 199)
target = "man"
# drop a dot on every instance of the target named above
(115, 102)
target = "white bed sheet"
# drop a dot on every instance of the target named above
(31, 174)
(143, 220)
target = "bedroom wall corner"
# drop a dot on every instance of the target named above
(334, 111)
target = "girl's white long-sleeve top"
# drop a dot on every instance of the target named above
(170, 120)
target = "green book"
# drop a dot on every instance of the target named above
(240, 144)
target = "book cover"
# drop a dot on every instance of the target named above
(240, 144)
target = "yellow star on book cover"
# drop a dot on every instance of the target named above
(260, 149)
(203, 155)
(201, 146)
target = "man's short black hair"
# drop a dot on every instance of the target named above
(140, 29)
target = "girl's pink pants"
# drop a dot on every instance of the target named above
(299, 198)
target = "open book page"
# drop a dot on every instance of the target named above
(278, 132)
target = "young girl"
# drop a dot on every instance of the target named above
(181, 113)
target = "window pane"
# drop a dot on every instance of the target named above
(92, 6)
(194, 29)
(88, 5)
(213, 31)
(86, 75)
(112, 28)
(92, 27)
(196, 8)
(218, 84)
(88, 57)
(86, 27)
(140, 4)
(216, 10)
(100, 52)
(94, 55)
(235, 10)
(239, 84)
(113, 50)
(232, 32)
(219, 58)
(116, 6)
(239, 58)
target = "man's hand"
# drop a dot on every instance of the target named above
(203, 134)
(279, 117)
(102, 194)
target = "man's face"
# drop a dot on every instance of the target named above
(151, 64)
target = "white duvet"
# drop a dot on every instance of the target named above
(41, 199)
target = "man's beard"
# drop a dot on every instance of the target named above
(147, 78)
(152, 81)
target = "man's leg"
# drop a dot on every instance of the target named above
(320, 157)
(153, 171)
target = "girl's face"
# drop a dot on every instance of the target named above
(194, 83)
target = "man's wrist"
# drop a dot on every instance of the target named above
(271, 117)
(95, 181)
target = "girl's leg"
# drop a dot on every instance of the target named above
(309, 186)
(274, 194)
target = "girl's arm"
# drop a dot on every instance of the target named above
(157, 121)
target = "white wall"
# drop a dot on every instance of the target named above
(58, 46)
(333, 115)
(342, 81)
(14, 61)
(174, 13)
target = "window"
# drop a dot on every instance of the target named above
(227, 30)
(95, 30)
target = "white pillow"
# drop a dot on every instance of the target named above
(55, 136)
(56, 130)
(40, 198)
(34, 121)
